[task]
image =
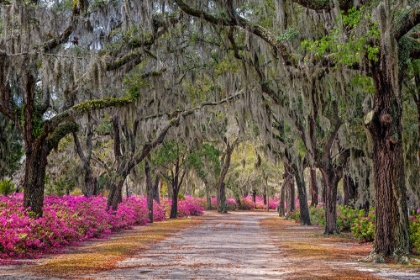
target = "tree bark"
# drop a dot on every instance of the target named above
(175, 191)
(156, 190)
(384, 124)
(222, 206)
(291, 195)
(117, 197)
(313, 187)
(331, 184)
(177, 180)
(149, 189)
(174, 206)
(34, 180)
(303, 199)
(208, 197)
(221, 195)
(281, 202)
(350, 191)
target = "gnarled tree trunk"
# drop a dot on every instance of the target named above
(384, 124)
(313, 185)
(350, 191)
(221, 193)
(281, 202)
(331, 179)
(303, 199)
(149, 190)
(156, 190)
(34, 180)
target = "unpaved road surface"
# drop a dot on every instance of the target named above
(243, 245)
(225, 246)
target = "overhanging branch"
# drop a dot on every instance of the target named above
(403, 24)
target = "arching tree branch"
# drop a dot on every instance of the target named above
(403, 24)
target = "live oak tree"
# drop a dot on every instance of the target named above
(53, 74)
(173, 157)
(378, 47)
(205, 163)
(224, 166)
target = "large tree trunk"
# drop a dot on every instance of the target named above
(91, 183)
(331, 179)
(313, 185)
(208, 198)
(291, 195)
(303, 199)
(149, 188)
(281, 202)
(254, 196)
(34, 180)
(350, 191)
(289, 190)
(384, 124)
(238, 199)
(221, 193)
(324, 189)
(222, 206)
(156, 190)
(117, 195)
(174, 206)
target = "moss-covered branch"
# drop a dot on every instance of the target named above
(326, 5)
(61, 131)
(88, 106)
(147, 148)
(63, 37)
(236, 20)
(136, 56)
(407, 21)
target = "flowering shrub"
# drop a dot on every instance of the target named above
(414, 222)
(214, 202)
(189, 206)
(347, 217)
(317, 215)
(247, 203)
(231, 204)
(66, 220)
(364, 227)
(273, 202)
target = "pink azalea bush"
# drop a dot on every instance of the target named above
(189, 206)
(247, 203)
(66, 220)
(231, 204)
(414, 221)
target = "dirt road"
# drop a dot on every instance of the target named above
(229, 246)
(238, 245)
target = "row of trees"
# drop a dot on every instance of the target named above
(319, 84)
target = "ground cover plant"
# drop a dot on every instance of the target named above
(360, 224)
(69, 220)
